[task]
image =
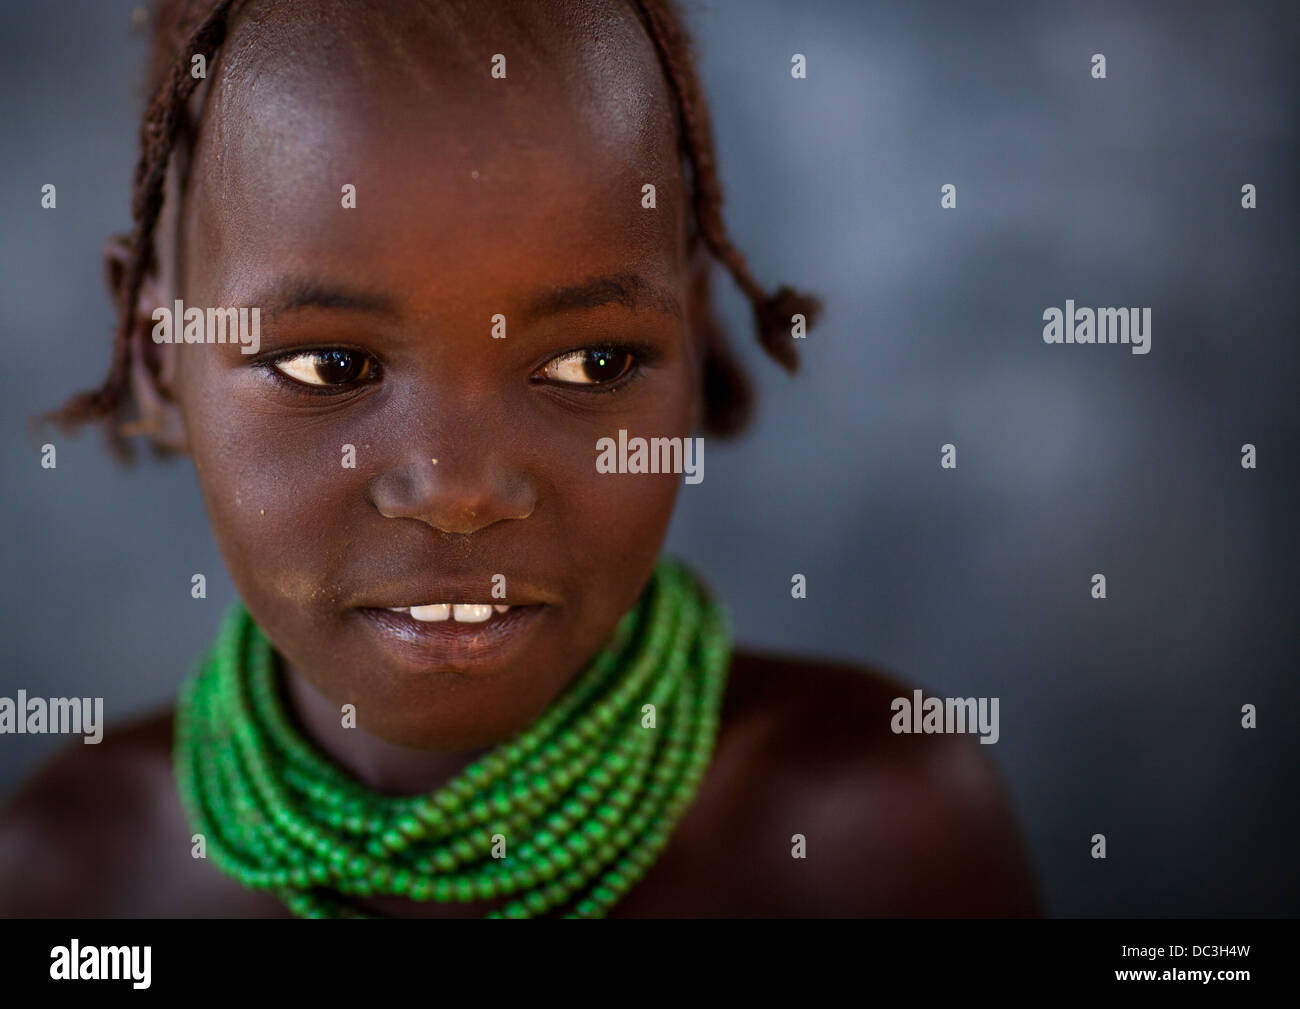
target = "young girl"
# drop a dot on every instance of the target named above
(461, 679)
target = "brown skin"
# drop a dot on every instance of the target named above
(515, 489)
(475, 196)
(896, 825)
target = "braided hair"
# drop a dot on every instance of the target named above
(186, 28)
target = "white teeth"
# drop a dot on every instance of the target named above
(467, 613)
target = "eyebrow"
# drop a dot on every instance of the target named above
(290, 293)
(628, 289)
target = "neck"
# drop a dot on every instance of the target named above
(375, 763)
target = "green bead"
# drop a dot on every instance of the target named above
(535, 902)
(587, 796)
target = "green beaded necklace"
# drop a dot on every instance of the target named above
(585, 798)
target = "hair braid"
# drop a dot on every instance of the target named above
(772, 313)
(163, 121)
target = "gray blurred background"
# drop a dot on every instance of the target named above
(1120, 716)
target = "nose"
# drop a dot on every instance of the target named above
(457, 494)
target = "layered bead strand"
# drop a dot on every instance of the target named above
(583, 800)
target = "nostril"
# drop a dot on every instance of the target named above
(454, 502)
(452, 497)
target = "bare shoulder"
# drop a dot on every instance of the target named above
(79, 837)
(889, 823)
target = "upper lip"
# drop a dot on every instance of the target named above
(476, 593)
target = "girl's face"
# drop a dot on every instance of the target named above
(474, 456)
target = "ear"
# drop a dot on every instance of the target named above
(158, 415)
(700, 324)
(724, 394)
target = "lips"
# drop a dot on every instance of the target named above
(454, 637)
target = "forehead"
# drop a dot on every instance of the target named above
(456, 171)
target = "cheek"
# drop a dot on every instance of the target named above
(613, 524)
(624, 516)
(276, 494)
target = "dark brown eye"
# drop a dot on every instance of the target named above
(325, 367)
(594, 366)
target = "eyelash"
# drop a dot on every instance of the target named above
(640, 354)
(269, 366)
